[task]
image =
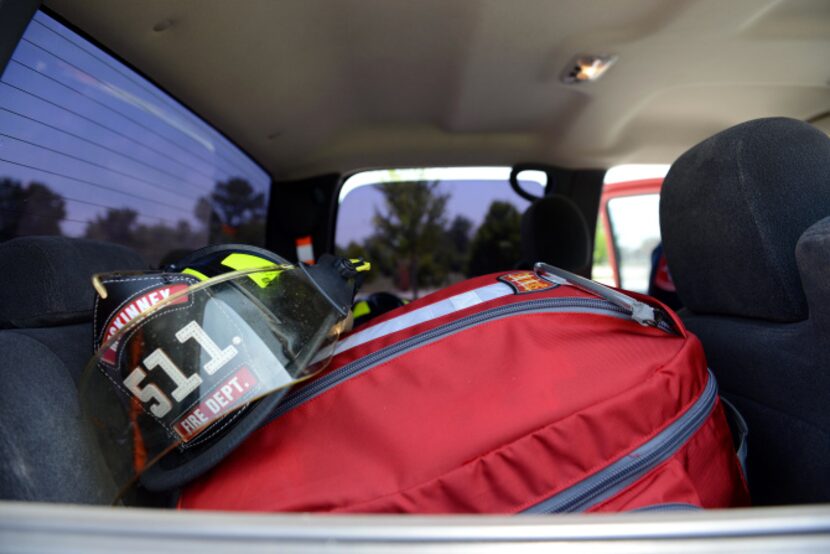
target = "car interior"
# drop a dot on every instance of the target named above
(302, 96)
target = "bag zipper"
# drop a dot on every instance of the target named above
(547, 305)
(614, 478)
(667, 507)
(642, 313)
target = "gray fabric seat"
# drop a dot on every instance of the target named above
(48, 451)
(745, 218)
(555, 231)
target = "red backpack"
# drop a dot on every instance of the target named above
(515, 392)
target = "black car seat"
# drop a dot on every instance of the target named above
(746, 232)
(555, 231)
(47, 452)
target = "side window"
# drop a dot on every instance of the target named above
(89, 148)
(602, 270)
(423, 229)
(635, 225)
(628, 229)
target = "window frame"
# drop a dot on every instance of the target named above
(14, 20)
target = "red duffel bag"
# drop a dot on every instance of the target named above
(526, 391)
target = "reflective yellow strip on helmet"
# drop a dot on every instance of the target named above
(360, 309)
(238, 261)
(198, 274)
(361, 265)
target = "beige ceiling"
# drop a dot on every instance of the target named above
(308, 86)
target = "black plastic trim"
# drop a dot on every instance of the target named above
(15, 16)
(550, 183)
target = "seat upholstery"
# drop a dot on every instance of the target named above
(47, 451)
(746, 232)
(554, 231)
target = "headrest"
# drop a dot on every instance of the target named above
(554, 231)
(45, 281)
(732, 210)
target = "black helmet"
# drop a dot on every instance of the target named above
(192, 358)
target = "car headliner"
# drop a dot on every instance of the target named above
(313, 86)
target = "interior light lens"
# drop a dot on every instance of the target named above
(587, 68)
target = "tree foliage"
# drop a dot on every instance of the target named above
(31, 210)
(495, 246)
(416, 245)
(233, 212)
(236, 202)
(409, 231)
(458, 241)
(600, 246)
(152, 240)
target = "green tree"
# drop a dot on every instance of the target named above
(207, 216)
(233, 212)
(458, 243)
(12, 197)
(600, 246)
(496, 244)
(31, 210)
(153, 241)
(116, 225)
(43, 211)
(236, 202)
(409, 231)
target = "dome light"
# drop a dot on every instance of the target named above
(587, 68)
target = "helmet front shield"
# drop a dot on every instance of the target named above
(180, 361)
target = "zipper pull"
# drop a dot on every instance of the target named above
(641, 312)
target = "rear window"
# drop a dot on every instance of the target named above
(89, 148)
(423, 229)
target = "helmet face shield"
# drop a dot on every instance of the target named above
(181, 360)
